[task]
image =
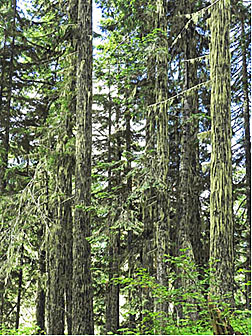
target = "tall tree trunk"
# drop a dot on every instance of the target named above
(163, 220)
(247, 145)
(48, 258)
(221, 214)
(3, 165)
(70, 162)
(62, 236)
(82, 309)
(67, 219)
(148, 204)
(41, 295)
(57, 253)
(112, 299)
(112, 306)
(7, 116)
(131, 262)
(188, 215)
(61, 232)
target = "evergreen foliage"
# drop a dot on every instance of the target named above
(125, 167)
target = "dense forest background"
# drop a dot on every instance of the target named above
(125, 167)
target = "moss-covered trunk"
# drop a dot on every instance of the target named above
(188, 214)
(41, 294)
(247, 145)
(5, 118)
(113, 290)
(221, 214)
(112, 302)
(61, 232)
(41, 289)
(148, 203)
(56, 253)
(82, 309)
(130, 236)
(162, 220)
(6, 110)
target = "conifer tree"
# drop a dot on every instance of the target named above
(188, 221)
(247, 145)
(150, 189)
(221, 212)
(82, 286)
(163, 220)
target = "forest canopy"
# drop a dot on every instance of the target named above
(125, 167)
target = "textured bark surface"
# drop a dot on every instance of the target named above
(61, 234)
(247, 146)
(56, 293)
(112, 297)
(163, 222)
(82, 309)
(41, 295)
(221, 221)
(112, 304)
(6, 116)
(148, 203)
(188, 215)
(132, 317)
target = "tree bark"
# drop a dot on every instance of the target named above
(41, 295)
(188, 214)
(82, 309)
(148, 203)
(5, 123)
(6, 118)
(247, 145)
(163, 220)
(113, 290)
(131, 263)
(221, 212)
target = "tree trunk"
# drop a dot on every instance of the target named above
(221, 214)
(131, 261)
(148, 204)
(112, 307)
(7, 117)
(62, 233)
(163, 220)
(2, 168)
(188, 215)
(41, 295)
(57, 266)
(69, 166)
(82, 309)
(68, 220)
(48, 260)
(113, 290)
(247, 145)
